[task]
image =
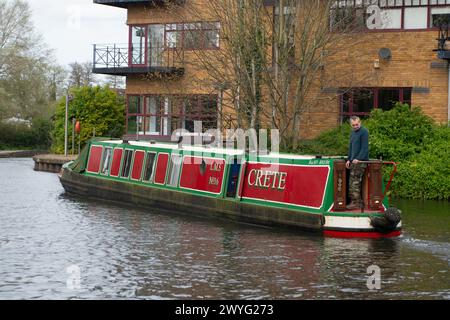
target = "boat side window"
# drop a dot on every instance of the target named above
(150, 167)
(127, 164)
(106, 162)
(174, 170)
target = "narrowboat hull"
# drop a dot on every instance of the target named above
(186, 203)
(288, 191)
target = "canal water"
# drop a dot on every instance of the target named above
(56, 246)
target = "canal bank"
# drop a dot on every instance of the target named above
(51, 162)
(43, 161)
(20, 153)
(122, 252)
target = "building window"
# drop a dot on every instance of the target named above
(135, 105)
(440, 16)
(391, 14)
(156, 56)
(137, 45)
(157, 115)
(361, 101)
(415, 18)
(200, 108)
(358, 101)
(387, 98)
(135, 125)
(173, 35)
(289, 16)
(149, 42)
(193, 36)
(135, 110)
(212, 35)
(346, 16)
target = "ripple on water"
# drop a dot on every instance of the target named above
(127, 253)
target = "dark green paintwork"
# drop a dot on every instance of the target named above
(329, 192)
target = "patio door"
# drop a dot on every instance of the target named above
(158, 117)
(138, 45)
(156, 45)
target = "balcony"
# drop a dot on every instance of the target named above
(127, 3)
(157, 61)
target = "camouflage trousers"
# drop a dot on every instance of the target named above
(356, 178)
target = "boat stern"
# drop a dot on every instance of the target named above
(385, 224)
(374, 219)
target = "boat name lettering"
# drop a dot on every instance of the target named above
(267, 179)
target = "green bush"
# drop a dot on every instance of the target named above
(15, 136)
(331, 143)
(21, 136)
(426, 175)
(422, 149)
(398, 134)
(98, 109)
(395, 135)
(404, 135)
(41, 129)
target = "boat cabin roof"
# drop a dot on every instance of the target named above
(175, 146)
(224, 151)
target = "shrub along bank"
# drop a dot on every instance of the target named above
(21, 136)
(404, 135)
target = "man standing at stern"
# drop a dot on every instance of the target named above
(358, 153)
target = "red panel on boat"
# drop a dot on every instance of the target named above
(290, 184)
(207, 177)
(137, 166)
(161, 168)
(95, 157)
(117, 159)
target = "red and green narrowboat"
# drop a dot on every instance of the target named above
(275, 189)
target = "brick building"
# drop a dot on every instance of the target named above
(392, 59)
(395, 61)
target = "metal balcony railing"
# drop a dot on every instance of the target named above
(124, 59)
(110, 56)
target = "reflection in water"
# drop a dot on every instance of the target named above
(346, 261)
(124, 252)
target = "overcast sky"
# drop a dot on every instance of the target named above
(71, 27)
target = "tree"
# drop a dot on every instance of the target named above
(16, 31)
(114, 82)
(236, 69)
(28, 87)
(57, 78)
(25, 64)
(274, 60)
(302, 42)
(81, 74)
(99, 109)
